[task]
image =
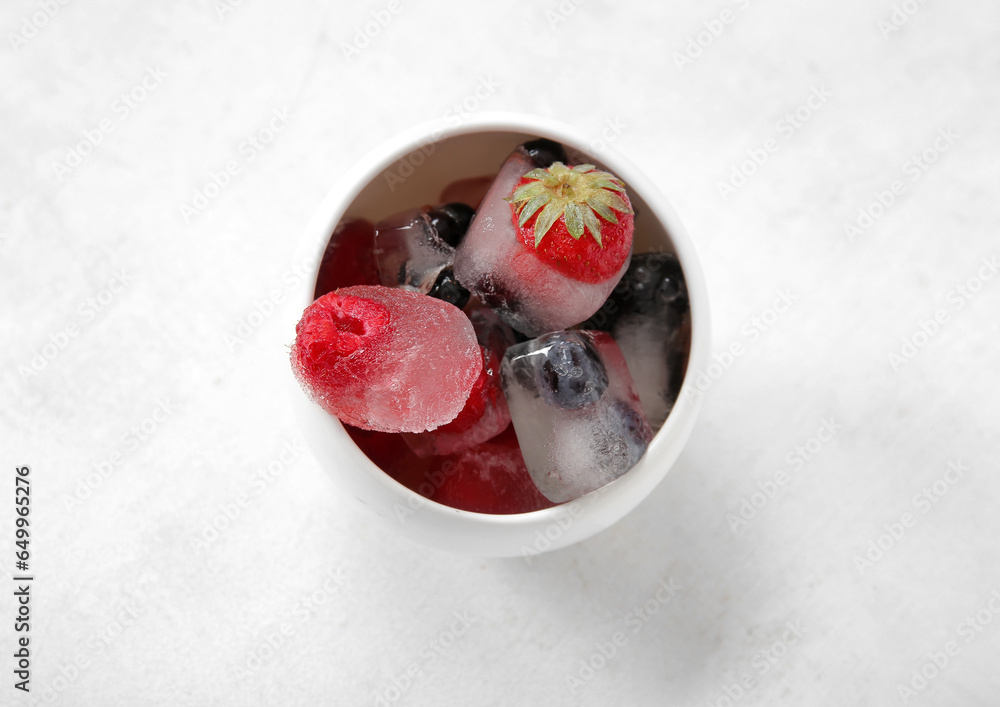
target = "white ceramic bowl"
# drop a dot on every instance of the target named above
(410, 170)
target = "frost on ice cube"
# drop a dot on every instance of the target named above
(528, 294)
(649, 316)
(575, 411)
(415, 248)
(485, 414)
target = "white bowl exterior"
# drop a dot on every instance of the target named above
(480, 534)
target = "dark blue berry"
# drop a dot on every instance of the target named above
(451, 221)
(572, 374)
(543, 152)
(447, 288)
(654, 282)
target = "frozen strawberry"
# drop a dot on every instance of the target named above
(386, 359)
(577, 219)
(348, 259)
(548, 243)
(489, 478)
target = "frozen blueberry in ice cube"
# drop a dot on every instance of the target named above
(447, 288)
(656, 280)
(563, 368)
(572, 373)
(451, 221)
(413, 247)
(648, 314)
(575, 410)
(653, 283)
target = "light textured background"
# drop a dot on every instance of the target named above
(162, 581)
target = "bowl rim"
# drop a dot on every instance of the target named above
(623, 494)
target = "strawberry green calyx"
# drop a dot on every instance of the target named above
(580, 193)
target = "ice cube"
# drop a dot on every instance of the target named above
(413, 248)
(575, 411)
(527, 293)
(485, 414)
(409, 252)
(489, 478)
(649, 316)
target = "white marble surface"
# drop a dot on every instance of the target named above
(137, 598)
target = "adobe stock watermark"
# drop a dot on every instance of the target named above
(563, 11)
(455, 115)
(913, 168)
(795, 459)
(901, 14)
(87, 312)
(125, 616)
(399, 684)
(931, 325)
(268, 647)
(751, 331)
(566, 516)
(922, 502)
(259, 481)
(698, 43)
(433, 480)
(132, 440)
(121, 109)
(608, 649)
(611, 130)
(929, 668)
(31, 25)
(219, 179)
(267, 303)
(763, 661)
(786, 126)
(365, 33)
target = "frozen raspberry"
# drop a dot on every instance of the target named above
(484, 416)
(385, 359)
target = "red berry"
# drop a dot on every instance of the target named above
(386, 359)
(577, 220)
(489, 478)
(348, 258)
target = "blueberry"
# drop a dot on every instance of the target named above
(543, 152)
(653, 281)
(656, 280)
(447, 288)
(572, 374)
(451, 221)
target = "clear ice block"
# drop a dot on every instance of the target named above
(649, 316)
(575, 411)
(415, 248)
(409, 252)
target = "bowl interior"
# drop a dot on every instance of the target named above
(418, 177)
(412, 171)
